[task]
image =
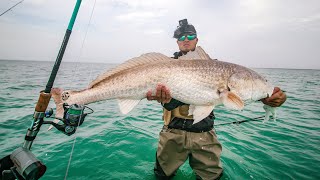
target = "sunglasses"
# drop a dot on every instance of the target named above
(190, 37)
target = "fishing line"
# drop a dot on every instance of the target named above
(11, 8)
(239, 122)
(75, 135)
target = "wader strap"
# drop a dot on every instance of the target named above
(179, 112)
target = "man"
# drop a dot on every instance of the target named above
(179, 138)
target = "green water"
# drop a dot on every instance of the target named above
(110, 145)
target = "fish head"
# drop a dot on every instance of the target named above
(262, 88)
(249, 85)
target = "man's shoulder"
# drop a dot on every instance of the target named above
(176, 55)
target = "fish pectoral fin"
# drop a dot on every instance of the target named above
(231, 100)
(191, 109)
(126, 105)
(200, 112)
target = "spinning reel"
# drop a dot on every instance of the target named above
(72, 118)
(22, 164)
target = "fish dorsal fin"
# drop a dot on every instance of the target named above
(143, 59)
(198, 53)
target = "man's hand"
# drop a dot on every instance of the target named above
(277, 99)
(162, 94)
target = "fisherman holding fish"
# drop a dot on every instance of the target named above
(180, 137)
(189, 88)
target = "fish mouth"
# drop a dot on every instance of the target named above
(269, 94)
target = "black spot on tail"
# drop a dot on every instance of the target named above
(65, 96)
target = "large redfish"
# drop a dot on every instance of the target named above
(195, 79)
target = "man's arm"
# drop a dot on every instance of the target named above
(172, 104)
(277, 99)
(163, 96)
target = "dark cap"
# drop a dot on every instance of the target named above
(184, 28)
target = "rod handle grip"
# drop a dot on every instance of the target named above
(43, 102)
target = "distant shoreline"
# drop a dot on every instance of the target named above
(66, 61)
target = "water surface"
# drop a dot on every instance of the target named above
(110, 145)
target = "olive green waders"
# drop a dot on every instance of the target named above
(203, 150)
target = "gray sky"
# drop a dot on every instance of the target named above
(253, 33)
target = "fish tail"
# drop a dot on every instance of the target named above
(57, 94)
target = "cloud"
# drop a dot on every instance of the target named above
(268, 33)
(140, 16)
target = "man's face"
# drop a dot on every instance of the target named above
(185, 44)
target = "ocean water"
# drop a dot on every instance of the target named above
(110, 145)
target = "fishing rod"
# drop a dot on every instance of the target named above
(22, 163)
(11, 8)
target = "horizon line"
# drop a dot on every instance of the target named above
(121, 63)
